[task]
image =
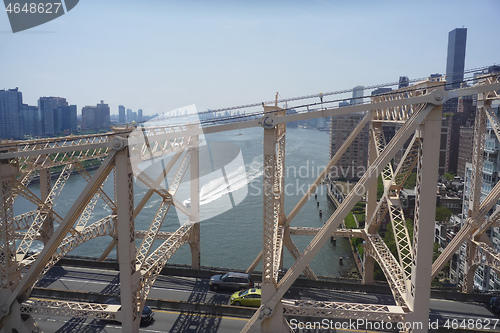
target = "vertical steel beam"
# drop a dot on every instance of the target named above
(475, 188)
(129, 277)
(8, 263)
(418, 293)
(470, 267)
(45, 188)
(371, 195)
(269, 227)
(273, 213)
(477, 160)
(9, 268)
(371, 206)
(194, 168)
(368, 268)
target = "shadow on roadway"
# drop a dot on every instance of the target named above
(80, 325)
(52, 275)
(96, 325)
(194, 322)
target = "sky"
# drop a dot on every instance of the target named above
(163, 55)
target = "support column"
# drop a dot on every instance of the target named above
(9, 268)
(47, 229)
(273, 196)
(194, 167)
(368, 268)
(418, 292)
(129, 277)
(477, 160)
(7, 240)
(470, 268)
(371, 206)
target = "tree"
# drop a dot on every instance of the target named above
(411, 181)
(449, 176)
(380, 188)
(443, 213)
(389, 236)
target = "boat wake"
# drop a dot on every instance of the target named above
(220, 185)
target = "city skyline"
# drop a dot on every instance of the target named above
(162, 56)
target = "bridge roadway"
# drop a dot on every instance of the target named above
(185, 290)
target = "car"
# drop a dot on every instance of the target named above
(249, 297)
(146, 315)
(495, 304)
(231, 280)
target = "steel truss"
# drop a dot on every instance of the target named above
(374, 312)
(70, 309)
(473, 231)
(416, 109)
(21, 272)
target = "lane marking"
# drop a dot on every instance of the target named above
(205, 315)
(117, 284)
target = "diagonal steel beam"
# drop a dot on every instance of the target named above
(63, 229)
(352, 198)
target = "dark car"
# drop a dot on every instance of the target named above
(495, 304)
(146, 315)
(231, 280)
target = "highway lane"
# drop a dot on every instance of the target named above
(164, 321)
(183, 288)
(197, 290)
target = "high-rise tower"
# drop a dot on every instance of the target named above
(455, 61)
(121, 114)
(11, 102)
(357, 95)
(455, 64)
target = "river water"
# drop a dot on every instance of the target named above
(231, 236)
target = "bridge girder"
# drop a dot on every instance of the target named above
(416, 109)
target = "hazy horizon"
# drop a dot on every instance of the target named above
(159, 56)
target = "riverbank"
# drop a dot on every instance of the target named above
(55, 174)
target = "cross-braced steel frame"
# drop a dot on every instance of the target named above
(417, 109)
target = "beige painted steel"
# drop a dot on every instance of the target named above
(354, 196)
(416, 110)
(418, 291)
(126, 251)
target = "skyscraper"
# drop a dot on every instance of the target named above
(102, 115)
(139, 115)
(88, 117)
(381, 91)
(403, 82)
(353, 163)
(455, 64)
(455, 61)
(11, 102)
(485, 278)
(130, 116)
(69, 119)
(121, 114)
(51, 116)
(357, 95)
(96, 116)
(30, 120)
